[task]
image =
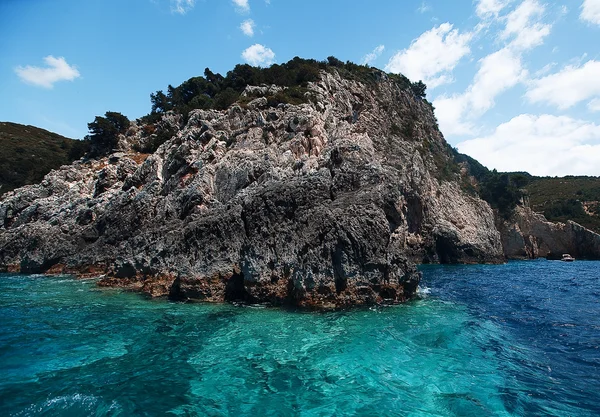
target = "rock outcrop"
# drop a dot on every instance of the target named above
(328, 203)
(528, 235)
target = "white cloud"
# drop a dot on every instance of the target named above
(590, 11)
(424, 8)
(372, 56)
(490, 8)
(544, 70)
(450, 112)
(57, 70)
(247, 27)
(523, 25)
(182, 6)
(568, 87)
(540, 145)
(432, 56)
(242, 6)
(497, 73)
(258, 55)
(594, 105)
(564, 10)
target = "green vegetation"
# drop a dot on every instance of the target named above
(214, 91)
(502, 190)
(155, 136)
(28, 153)
(567, 198)
(559, 199)
(104, 132)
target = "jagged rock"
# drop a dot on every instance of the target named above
(328, 203)
(261, 90)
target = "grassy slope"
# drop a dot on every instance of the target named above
(27, 153)
(561, 199)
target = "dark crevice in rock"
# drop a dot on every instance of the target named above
(235, 289)
(338, 269)
(189, 204)
(392, 215)
(388, 293)
(445, 247)
(125, 270)
(175, 293)
(414, 213)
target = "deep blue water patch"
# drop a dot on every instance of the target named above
(516, 339)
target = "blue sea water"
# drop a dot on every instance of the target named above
(521, 339)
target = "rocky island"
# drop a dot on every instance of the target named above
(326, 191)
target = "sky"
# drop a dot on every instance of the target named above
(515, 83)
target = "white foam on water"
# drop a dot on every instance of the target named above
(423, 291)
(74, 404)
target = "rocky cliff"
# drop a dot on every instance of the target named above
(528, 235)
(328, 203)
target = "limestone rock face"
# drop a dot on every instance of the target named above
(528, 235)
(328, 203)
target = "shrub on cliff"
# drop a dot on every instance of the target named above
(214, 91)
(104, 132)
(419, 88)
(155, 135)
(502, 191)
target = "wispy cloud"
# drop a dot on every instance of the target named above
(524, 25)
(590, 11)
(247, 27)
(432, 56)
(594, 105)
(424, 8)
(182, 6)
(490, 8)
(373, 55)
(571, 85)
(258, 55)
(540, 144)
(242, 6)
(57, 69)
(498, 72)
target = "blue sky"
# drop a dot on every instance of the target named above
(515, 83)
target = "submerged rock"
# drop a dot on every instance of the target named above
(328, 203)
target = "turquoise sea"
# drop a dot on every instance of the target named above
(521, 339)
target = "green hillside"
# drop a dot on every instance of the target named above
(567, 198)
(28, 153)
(558, 198)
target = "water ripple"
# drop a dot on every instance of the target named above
(516, 339)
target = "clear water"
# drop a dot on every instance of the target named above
(516, 339)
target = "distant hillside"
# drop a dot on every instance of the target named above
(558, 198)
(567, 198)
(27, 153)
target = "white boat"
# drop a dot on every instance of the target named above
(567, 258)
